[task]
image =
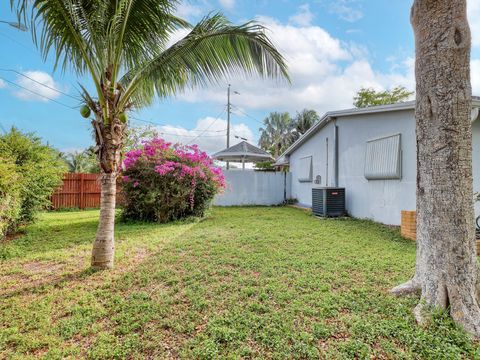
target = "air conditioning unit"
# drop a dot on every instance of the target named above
(328, 201)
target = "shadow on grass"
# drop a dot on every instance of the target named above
(41, 239)
(46, 283)
(57, 231)
(59, 270)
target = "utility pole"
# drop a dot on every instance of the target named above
(228, 122)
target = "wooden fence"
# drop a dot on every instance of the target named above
(80, 191)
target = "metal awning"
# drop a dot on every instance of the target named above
(243, 152)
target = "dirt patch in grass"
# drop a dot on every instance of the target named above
(44, 268)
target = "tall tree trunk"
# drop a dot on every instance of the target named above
(446, 266)
(109, 139)
(104, 246)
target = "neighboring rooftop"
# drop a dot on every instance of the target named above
(243, 152)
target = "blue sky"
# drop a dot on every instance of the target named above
(333, 48)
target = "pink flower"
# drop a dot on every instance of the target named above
(136, 183)
(179, 161)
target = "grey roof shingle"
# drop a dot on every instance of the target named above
(243, 150)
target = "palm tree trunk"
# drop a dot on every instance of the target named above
(104, 246)
(109, 139)
(446, 270)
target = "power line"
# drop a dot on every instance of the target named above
(38, 94)
(163, 124)
(194, 137)
(191, 136)
(209, 126)
(38, 82)
(133, 117)
(18, 42)
(247, 115)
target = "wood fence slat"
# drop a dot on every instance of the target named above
(79, 191)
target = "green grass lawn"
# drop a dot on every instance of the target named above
(272, 283)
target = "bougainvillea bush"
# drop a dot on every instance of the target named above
(164, 182)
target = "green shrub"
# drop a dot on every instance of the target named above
(164, 182)
(9, 195)
(30, 172)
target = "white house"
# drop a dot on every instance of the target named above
(371, 152)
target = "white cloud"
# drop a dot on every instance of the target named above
(211, 134)
(186, 10)
(473, 8)
(475, 74)
(348, 10)
(227, 4)
(33, 81)
(326, 73)
(2, 84)
(303, 17)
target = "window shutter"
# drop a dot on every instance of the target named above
(305, 173)
(383, 158)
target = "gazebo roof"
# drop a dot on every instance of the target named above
(243, 151)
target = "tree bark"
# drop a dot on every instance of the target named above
(104, 246)
(446, 265)
(109, 138)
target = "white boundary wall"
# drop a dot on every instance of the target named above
(254, 188)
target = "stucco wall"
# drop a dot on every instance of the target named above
(253, 188)
(379, 200)
(317, 148)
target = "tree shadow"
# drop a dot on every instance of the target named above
(39, 286)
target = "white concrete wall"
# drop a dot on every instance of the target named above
(379, 200)
(316, 147)
(253, 188)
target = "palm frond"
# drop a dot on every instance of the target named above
(61, 25)
(212, 50)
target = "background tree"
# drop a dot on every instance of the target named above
(123, 46)
(276, 134)
(302, 122)
(371, 97)
(136, 135)
(446, 266)
(82, 161)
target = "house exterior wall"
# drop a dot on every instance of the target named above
(316, 147)
(379, 200)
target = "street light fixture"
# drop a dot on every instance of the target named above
(15, 25)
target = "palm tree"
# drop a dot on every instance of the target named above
(123, 45)
(275, 136)
(82, 161)
(77, 162)
(304, 120)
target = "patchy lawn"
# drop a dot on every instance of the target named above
(244, 283)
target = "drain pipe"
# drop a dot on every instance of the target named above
(335, 153)
(326, 162)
